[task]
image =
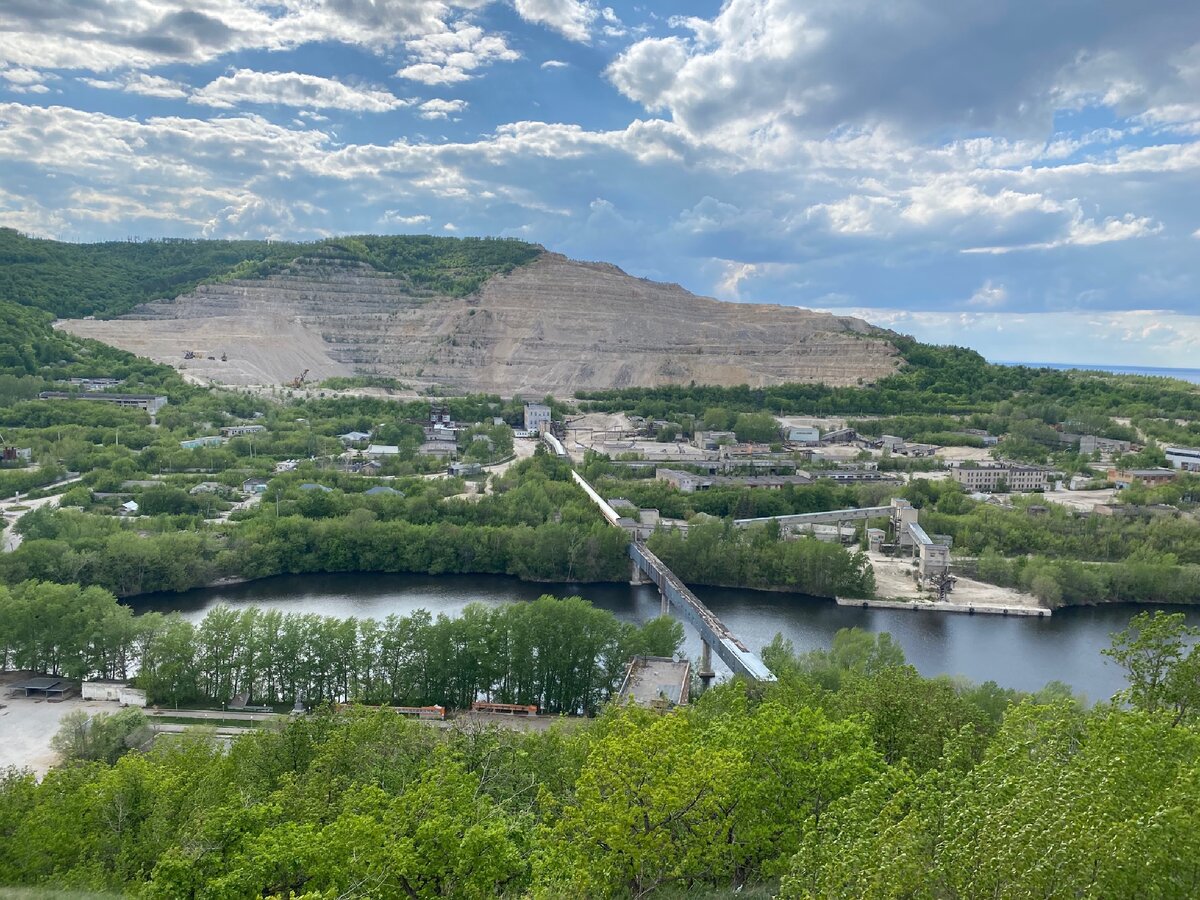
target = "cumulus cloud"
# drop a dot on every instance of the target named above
(452, 55)
(1086, 233)
(441, 109)
(22, 76)
(294, 89)
(554, 64)
(395, 217)
(788, 68)
(100, 36)
(570, 18)
(989, 295)
(142, 84)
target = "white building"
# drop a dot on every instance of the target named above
(537, 417)
(1186, 458)
(113, 690)
(990, 476)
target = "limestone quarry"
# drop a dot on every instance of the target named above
(553, 326)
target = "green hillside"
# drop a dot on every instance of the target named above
(108, 279)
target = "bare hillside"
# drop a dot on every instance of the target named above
(553, 326)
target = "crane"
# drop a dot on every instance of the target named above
(299, 380)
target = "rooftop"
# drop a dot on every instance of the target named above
(657, 679)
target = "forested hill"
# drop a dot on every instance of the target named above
(107, 279)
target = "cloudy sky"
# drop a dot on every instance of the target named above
(1020, 177)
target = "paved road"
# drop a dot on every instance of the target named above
(12, 540)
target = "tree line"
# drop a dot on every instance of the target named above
(718, 553)
(852, 776)
(563, 655)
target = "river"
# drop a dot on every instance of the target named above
(1022, 653)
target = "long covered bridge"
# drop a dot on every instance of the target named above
(714, 634)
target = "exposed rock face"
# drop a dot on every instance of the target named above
(553, 326)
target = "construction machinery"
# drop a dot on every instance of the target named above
(299, 380)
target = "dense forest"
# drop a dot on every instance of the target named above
(852, 776)
(73, 280)
(717, 553)
(537, 525)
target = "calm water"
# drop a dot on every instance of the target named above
(1022, 653)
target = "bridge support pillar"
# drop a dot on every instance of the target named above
(706, 672)
(666, 604)
(636, 575)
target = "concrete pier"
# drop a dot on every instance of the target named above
(982, 609)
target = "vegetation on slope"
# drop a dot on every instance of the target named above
(853, 776)
(107, 279)
(934, 381)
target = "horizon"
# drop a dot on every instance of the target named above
(1022, 177)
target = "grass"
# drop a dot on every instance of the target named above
(206, 723)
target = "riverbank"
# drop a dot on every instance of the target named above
(895, 588)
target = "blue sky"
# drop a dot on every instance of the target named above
(1022, 178)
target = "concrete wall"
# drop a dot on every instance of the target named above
(113, 691)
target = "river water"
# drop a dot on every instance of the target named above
(1022, 653)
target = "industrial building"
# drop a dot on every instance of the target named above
(51, 687)
(537, 417)
(210, 440)
(1185, 458)
(689, 483)
(94, 384)
(239, 430)
(117, 691)
(148, 402)
(992, 476)
(1124, 478)
(803, 434)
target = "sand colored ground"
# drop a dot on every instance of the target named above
(893, 581)
(1081, 501)
(27, 725)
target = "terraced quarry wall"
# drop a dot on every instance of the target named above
(553, 326)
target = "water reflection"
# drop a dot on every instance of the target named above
(1022, 653)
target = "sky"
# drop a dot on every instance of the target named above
(1022, 178)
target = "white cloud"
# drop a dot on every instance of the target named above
(450, 226)
(294, 89)
(449, 56)
(394, 217)
(1086, 233)
(19, 75)
(570, 18)
(142, 84)
(989, 295)
(554, 64)
(140, 34)
(771, 72)
(441, 109)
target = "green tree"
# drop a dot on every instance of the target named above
(1161, 659)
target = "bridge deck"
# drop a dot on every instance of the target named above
(712, 630)
(832, 517)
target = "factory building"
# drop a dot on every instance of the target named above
(987, 477)
(1185, 458)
